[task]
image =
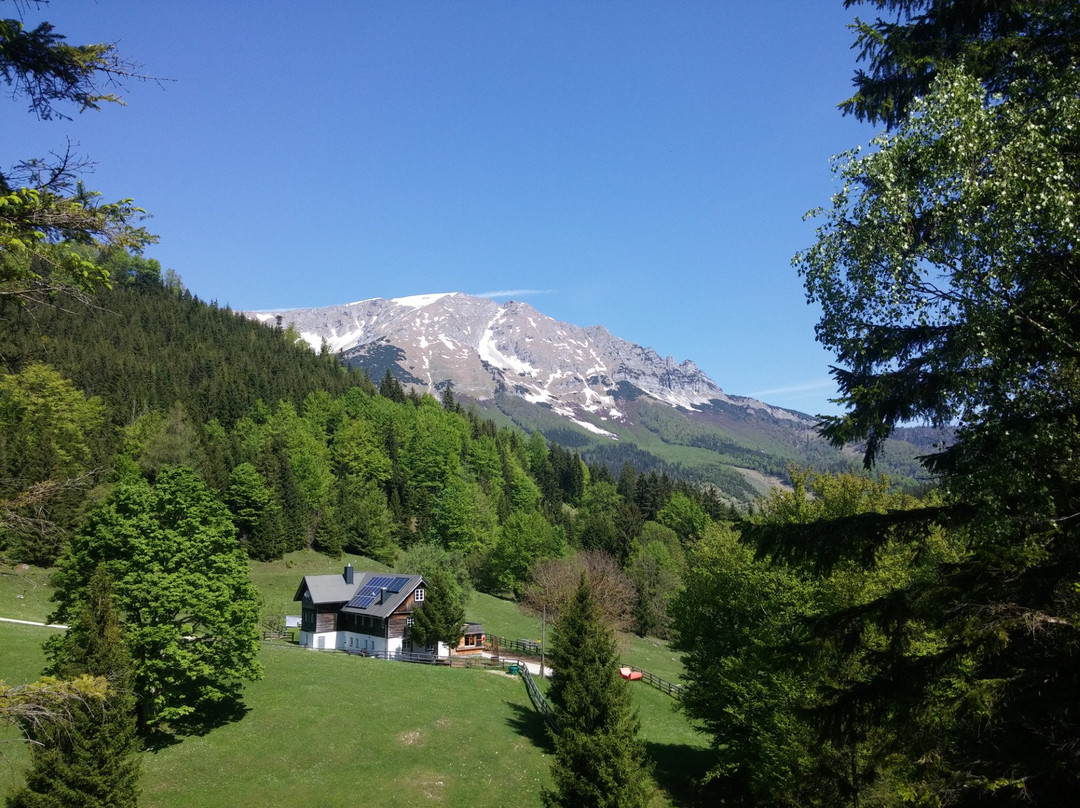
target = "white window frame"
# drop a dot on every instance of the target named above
(418, 596)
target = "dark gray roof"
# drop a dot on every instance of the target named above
(327, 588)
(332, 589)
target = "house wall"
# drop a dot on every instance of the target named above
(357, 643)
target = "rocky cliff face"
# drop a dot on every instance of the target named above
(484, 348)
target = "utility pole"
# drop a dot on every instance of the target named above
(543, 625)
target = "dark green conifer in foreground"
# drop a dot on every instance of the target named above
(92, 761)
(599, 760)
(441, 617)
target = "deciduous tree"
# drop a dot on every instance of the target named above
(47, 216)
(948, 281)
(181, 582)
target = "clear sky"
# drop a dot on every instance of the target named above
(639, 165)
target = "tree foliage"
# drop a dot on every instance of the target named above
(91, 760)
(49, 445)
(994, 39)
(555, 581)
(181, 581)
(599, 760)
(441, 617)
(947, 277)
(47, 216)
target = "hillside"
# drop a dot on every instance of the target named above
(322, 724)
(583, 387)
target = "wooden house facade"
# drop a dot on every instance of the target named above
(362, 612)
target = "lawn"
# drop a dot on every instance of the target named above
(327, 729)
(21, 661)
(25, 592)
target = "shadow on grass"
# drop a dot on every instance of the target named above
(528, 723)
(201, 722)
(678, 768)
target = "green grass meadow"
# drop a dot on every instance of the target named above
(329, 729)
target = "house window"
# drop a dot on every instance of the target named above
(410, 620)
(419, 595)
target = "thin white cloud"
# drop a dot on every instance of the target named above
(805, 387)
(515, 293)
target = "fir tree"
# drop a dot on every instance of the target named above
(599, 760)
(93, 761)
(441, 617)
(391, 388)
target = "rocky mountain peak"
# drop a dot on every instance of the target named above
(484, 349)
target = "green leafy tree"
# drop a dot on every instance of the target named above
(462, 518)
(765, 660)
(47, 217)
(365, 520)
(525, 538)
(683, 515)
(441, 617)
(731, 618)
(655, 574)
(93, 759)
(158, 439)
(49, 439)
(181, 581)
(429, 560)
(256, 513)
(599, 759)
(946, 273)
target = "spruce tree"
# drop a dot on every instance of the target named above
(441, 617)
(93, 760)
(599, 760)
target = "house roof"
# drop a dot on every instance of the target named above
(365, 595)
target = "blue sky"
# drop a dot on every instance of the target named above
(640, 165)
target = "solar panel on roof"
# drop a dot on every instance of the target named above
(370, 591)
(398, 583)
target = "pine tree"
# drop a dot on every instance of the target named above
(93, 761)
(599, 760)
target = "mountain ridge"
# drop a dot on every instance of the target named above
(612, 400)
(483, 348)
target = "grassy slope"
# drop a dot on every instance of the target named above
(321, 728)
(329, 729)
(21, 661)
(25, 593)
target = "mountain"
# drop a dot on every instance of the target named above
(484, 348)
(609, 398)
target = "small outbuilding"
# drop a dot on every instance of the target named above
(472, 641)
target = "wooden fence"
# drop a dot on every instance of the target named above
(532, 648)
(537, 698)
(664, 685)
(526, 647)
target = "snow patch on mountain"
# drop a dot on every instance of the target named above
(511, 348)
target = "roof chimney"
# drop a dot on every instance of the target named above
(348, 573)
(382, 596)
